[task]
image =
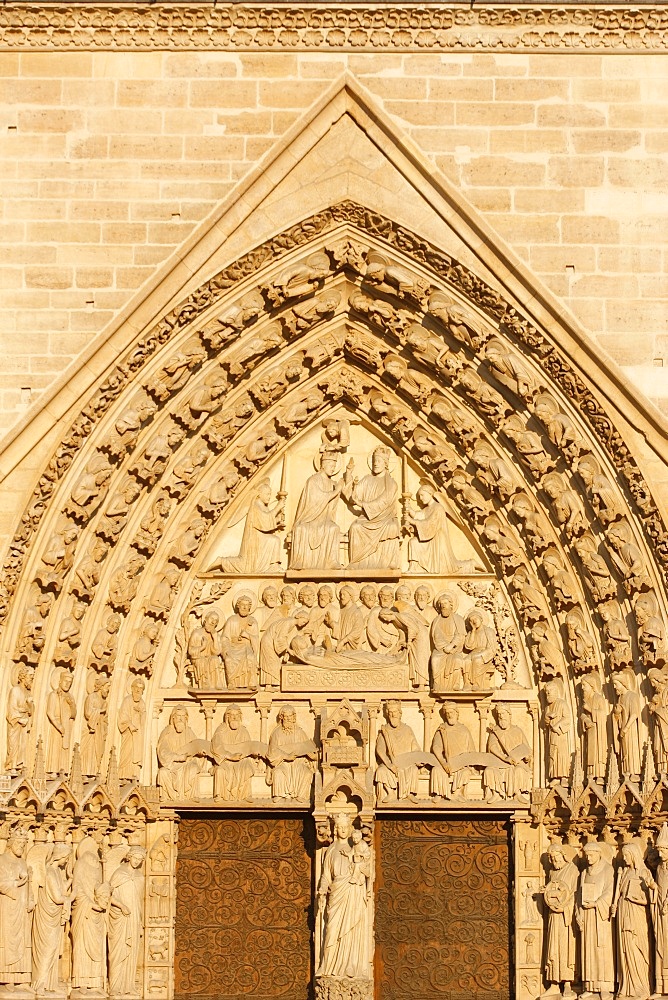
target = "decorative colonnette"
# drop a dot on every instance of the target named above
(346, 311)
(601, 27)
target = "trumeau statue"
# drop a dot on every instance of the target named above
(344, 894)
(594, 908)
(16, 906)
(559, 897)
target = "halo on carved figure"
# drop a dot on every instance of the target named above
(386, 452)
(243, 592)
(447, 595)
(328, 456)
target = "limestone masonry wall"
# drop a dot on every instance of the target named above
(111, 159)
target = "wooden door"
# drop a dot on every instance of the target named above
(243, 908)
(442, 910)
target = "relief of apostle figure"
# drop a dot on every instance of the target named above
(511, 777)
(315, 533)
(260, 550)
(344, 896)
(451, 740)
(291, 754)
(373, 537)
(429, 548)
(179, 756)
(398, 757)
(559, 897)
(233, 751)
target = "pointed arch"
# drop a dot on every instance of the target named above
(346, 309)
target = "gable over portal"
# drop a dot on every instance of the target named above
(351, 401)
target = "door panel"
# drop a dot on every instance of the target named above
(442, 910)
(243, 924)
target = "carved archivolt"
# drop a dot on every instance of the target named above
(526, 28)
(208, 566)
(346, 313)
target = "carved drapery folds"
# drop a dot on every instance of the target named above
(344, 532)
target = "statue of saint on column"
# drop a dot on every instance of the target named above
(344, 906)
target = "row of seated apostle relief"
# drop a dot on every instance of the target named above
(451, 769)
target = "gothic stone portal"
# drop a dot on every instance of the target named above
(442, 914)
(243, 925)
